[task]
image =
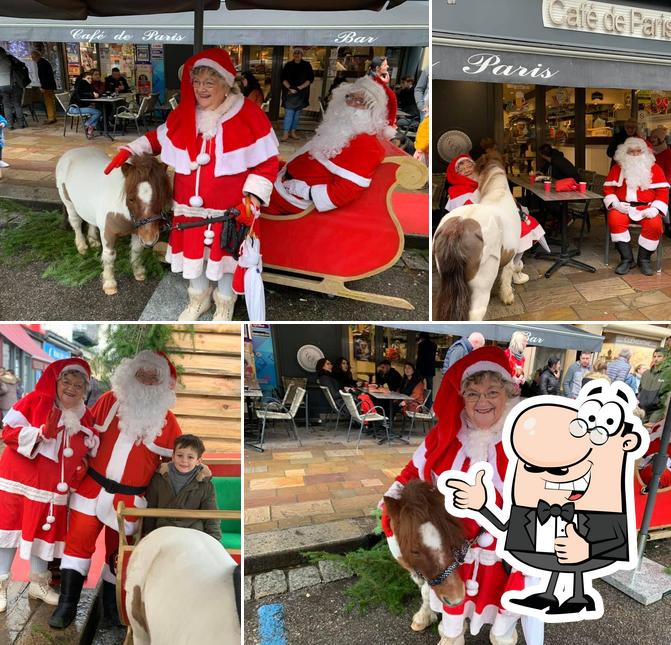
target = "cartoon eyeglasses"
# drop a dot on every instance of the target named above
(598, 419)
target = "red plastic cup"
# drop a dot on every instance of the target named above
(532, 177)
(547, 186)
(582, 186)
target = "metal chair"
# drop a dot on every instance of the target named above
(173, 102)
(362, 419)
(125, 113)
(275, 411)
(423, 413)
(335, 408)
(75, 115)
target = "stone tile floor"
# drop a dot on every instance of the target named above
(326, 479)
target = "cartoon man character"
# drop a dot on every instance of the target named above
(566, 495)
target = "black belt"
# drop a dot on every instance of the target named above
(639, 203)
(115, 488)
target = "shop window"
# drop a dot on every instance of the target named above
(519, 123)
(318, 58)
(261, 65)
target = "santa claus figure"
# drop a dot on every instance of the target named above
(338, 163)
(48, 435)
(635, 191)
(137, 430)
(645, 465)
(224, 152)
(661, 149)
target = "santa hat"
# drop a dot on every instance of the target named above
(392, 108)
(449, 403)
(46, 385)
(181, 123)
(660, 132)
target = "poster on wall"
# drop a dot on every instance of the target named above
(143, 78)
(158, 69)
(142, 53)
(264, 357)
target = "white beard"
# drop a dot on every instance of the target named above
(637, 171)
(339, 127)
(142, 408)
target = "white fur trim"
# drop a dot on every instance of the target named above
(29, 446)
(107, 574)
(119, 457)
(661, 184)
(419, 459)
(650, 245)
(613, 182)
(285, 194)
(259, 187)
(241, 160)
(222, 71)
(395, 491)
(660, 206)
(389, 132)
(41, 549)
(9, 539)
(33, 494)
(609, 200)
(109, 418)
(196, 211)
(81, 565)
(82, 504)
(192, 268)
(320, 196)
(455, 202)
(632, 194)
(140, 146)
(621, 237)
(344, 173)
(486, 366)
(171, 155)
(159, 450)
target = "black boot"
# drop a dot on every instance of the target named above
(626, 258)
(71, 589)
(644, 263)
(110, 612)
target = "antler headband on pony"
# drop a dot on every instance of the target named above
(449, 403)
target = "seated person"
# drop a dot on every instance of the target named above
(82, 91)
(338, 163)
(251, 88)
(556, 164)
(326, 378)
(462, 179)
(387, 375)
(342, 372)
(412, 384)
(406, 98)
(115, 82)
(185, 482)
(97, 83)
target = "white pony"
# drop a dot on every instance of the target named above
(180, 590)
(128, 201)
(472, 243)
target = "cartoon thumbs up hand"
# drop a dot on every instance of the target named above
(466, 495)
(573, 548)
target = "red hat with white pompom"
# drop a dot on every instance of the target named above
(181, 123)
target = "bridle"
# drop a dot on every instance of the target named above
(162, 217)
(459, 557)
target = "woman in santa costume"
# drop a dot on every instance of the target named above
(48, 435)
(224, 152)
(471, 405)
(463, 189)
(515, 355)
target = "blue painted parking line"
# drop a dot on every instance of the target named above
(271, 625)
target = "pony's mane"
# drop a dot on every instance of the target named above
(421, 503)
(146, 167)
(487, 165)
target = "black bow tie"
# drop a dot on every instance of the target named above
(544, 510)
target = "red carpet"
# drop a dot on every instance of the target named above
(412, 210)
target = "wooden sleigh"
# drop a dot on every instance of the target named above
(660, 522)
(322, 251)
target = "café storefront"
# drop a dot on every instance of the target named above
(564, 72)
(338, 43)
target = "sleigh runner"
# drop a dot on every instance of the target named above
(367, 233)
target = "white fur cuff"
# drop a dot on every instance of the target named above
(320, 197)
(140, 146)
(259, 187)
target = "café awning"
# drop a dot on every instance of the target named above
(554, 336)
(17, 335)
(403, 26)
(309, 5)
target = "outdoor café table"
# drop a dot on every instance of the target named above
(389, 397)
(251, 396)
(105, 103)
(566, 255)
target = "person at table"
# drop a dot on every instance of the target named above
(96, 81)
(556, 164)
(636, 191)
(326, 378)
(115, 82)
(83, 91)
(385, 374)
(412, 384)
(630, 129)
(342, 372)
(251, 88)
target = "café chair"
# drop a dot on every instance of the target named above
(375, 414)
(126, 113)
(274, 410)
(338, 410)
(423, 413)
(72, 112)
(580, 211)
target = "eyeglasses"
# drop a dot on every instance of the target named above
(357, 99)
(78, 387)
(473, 397)
(208, 84)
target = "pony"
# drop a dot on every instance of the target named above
(130, 200)
(473, 243)
(428, 538)
(180, 588)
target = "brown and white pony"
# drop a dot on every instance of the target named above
(130, 200)
(428, 537)
(473, 243)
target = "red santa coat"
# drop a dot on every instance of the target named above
(31, 468)
(241, 158)
(663, 160)
(645, 466)
(516, 366)
(123, 461)
(656, 195)
(333, 182)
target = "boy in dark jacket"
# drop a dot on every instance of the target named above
(186, 483)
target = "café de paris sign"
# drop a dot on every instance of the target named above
(123, 36)
(607, 18)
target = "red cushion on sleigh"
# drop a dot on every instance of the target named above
(348, 243)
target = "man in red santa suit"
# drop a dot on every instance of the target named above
(137, 430)
(661, 150)
(635, 191)
(338, 163)
(224, 152)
